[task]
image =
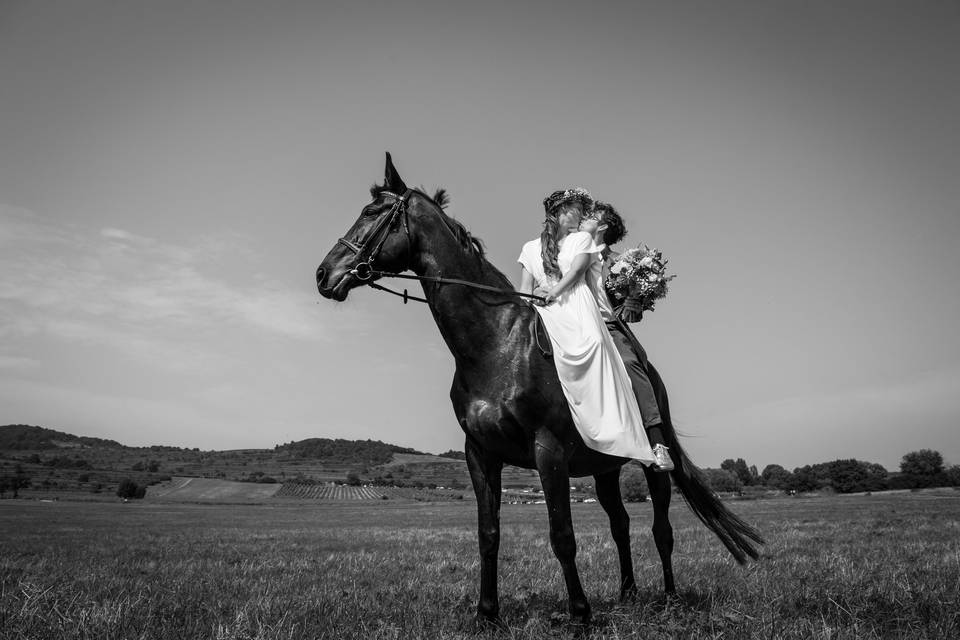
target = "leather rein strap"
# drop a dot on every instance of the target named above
(466, 283)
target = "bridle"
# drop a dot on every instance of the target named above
(375, 238)
(365, 256)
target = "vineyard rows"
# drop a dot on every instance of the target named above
(344, 492)
(328, 492)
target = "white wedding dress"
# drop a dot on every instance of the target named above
(592, 374)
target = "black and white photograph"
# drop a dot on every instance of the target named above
(445, 320)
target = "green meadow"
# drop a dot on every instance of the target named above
(859, 566)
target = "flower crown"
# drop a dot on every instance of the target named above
(557, 198)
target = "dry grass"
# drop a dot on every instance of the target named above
(835, 567)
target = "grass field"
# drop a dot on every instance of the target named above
(880, 566)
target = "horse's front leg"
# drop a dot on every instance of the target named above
(555, 478)
(608, 493)
(485, 475)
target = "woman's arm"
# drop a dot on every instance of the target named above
(580, 265)
(526, 281)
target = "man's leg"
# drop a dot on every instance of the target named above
(636, 368)
(634, 359)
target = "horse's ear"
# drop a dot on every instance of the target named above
(392, 180)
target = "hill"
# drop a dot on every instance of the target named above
(24, 437)
(58, 464)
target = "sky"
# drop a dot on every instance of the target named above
(172, 173)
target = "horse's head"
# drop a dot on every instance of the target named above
(381, 234)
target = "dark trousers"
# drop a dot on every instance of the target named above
(635, 359)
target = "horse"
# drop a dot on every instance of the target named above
(506, 394)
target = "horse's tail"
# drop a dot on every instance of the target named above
(735, 534)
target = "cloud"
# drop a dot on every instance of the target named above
(64, 276)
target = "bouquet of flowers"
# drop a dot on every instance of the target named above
(638, 278)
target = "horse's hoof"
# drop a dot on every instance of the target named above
(560, 619)
(580, 615)
(487, 622)
(629, 593)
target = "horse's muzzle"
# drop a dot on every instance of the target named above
(336, 292)
(322, 287)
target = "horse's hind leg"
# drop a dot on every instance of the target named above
(608, 493)
(659, 485)
(485, 475)
(555, 479)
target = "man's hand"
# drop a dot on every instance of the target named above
(632, 310)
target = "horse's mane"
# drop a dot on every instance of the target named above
(470, 243)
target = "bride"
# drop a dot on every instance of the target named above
(592, 374)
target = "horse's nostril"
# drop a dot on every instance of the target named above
(321, 275)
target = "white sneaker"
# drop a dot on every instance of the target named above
(661, 457)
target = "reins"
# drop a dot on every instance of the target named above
(439, 280)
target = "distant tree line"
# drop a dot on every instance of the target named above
(258, 476)
(353, 451)
(918, 469)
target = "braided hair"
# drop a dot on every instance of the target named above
(550, 245)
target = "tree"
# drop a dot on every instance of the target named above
(848, 476)
(952, 476)
(803, 479)
(633, 484)
(130, 489)
(353, 478)
(924, 462)
(775, 476)
(738, 467)
(878, 478)
(723, 480)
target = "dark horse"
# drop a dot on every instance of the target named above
(506, 394)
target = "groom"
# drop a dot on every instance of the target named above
(608, 229)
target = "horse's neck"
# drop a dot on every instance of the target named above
(475, 324)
